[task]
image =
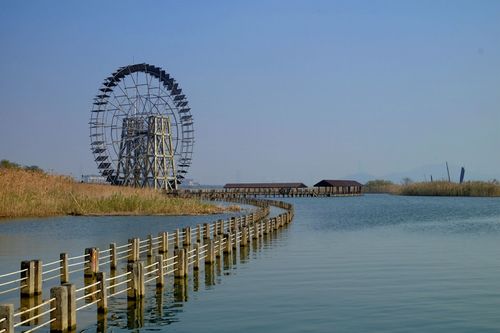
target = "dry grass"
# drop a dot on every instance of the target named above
(381, 186)
(442, 188)
(26, 193)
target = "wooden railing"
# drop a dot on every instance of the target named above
(148, 261)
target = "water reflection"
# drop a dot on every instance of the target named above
(161, 308)
(161, 304)
(28, 302)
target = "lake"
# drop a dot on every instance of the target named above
(375, 263)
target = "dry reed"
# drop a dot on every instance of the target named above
(443, 188)
(26, 193)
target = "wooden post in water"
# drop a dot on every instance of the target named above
(160, 275)
(221, 227)
(63, 268)
(113, 263)
(216, 229)
(133, 254)
(177, 239)
(206, 234)
(38, 264)
(7, 312)
(102, 304)
(187, 237)
(71, 304)
(28, 274)
(91, 261)
(163, 242)
(196, 265)
(244, 237)
(229, 243)
(232, 224)
(218, 253)
(60, 314)
(180, 266)
(136, 283)
(198, 233)
(210, 258)
(150, 246)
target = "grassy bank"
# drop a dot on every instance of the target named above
(27, 193)
(442, 188)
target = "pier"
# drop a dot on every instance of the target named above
(324, 188)
(126, 269)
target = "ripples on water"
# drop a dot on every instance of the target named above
(375, 263)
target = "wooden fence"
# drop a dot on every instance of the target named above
(168, 254)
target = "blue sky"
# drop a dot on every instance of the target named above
(280, 90)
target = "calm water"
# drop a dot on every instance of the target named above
(362, 264)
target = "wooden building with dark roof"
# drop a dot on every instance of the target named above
(336, 186)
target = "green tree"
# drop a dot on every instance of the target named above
(6, 164)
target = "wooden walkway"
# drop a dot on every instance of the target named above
(266, 192)
(126, 269)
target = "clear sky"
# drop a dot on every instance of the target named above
(280, 90)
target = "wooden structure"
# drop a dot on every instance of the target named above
(325, 188)
(266, 189)
(149, 261)
(347, 187)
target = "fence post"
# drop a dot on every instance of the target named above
(28, 273)
(196, 265)
(71, 291)
(244, 237)
(206, 234)
(7, 312)
(136, 283)
(198, 233)
(210, 258)
(63, 270)
(112, 252)
(102, 304)
(228, 246)
(234, 227)
(163, 242)
(221, 226)
(133, 255)
(180, 266)
(150, 246)
(177, 239)
(160, 278)
(38, 277)
(60, 314)
(216, 229)
(256, 231)
(92, 266)
(187, 236)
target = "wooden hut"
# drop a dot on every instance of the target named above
(336, 186)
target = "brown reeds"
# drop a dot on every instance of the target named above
(443, 188)
(25, 193)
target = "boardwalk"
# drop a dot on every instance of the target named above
(169, 255)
